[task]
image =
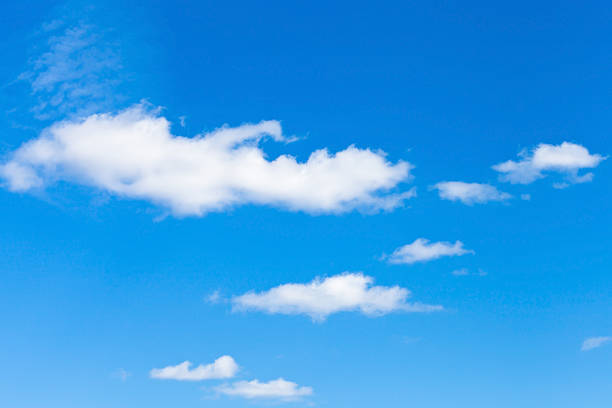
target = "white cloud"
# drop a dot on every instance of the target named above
(469, 193)
(223, 367)
(566, 158)
(76, 74)
(322, 297)
(276, 389)
(594, 342)
(421, 250)
(214, 297)
(133, 154)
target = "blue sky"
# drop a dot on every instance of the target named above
(324, 205)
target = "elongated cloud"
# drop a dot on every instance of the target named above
(276, 389)
(322, 297)
(421, 250)
(134, 155)
(469, 193)
(594, 342)
(566, 158)
(223, 367)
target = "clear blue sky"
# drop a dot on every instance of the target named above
(465, 195)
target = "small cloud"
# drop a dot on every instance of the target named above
(594, 342)
(277, 389)
(340, 293)
(525, 197)
(121, 374)
(182, 120)
(421, 250)
(223, 367)
(469, 193)
(566, 158)
(214, 297)
(561, 186)
(461, 272)
(466, 272)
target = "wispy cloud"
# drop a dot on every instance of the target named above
(594, 342)
(421, 250)
(276, 389)
(223, 367)
(134, 155)
(323, 297)
(466, 272)
(121, 374)
(469, 193)
(76, 74)
(566, 158)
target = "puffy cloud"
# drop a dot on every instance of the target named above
(322, 297)
(133, 154)
(276, 389)
(421, 250)
(566, 158)
(469, 193)
(223, 367)
(594, 342)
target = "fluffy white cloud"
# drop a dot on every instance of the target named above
(276, 389)
(594, 342)
(322, 297)
(223, 367)
(133, 154)
(469, 193)
(566, 158)
(421, 250)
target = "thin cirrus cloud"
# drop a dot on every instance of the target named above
(275, 389)
(223, 367)
(320, 298)
(421, 250)
(567, 159)
(594, 342)
(76, 74)
(132, 154)
(469, 193)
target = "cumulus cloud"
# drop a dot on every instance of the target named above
(223, 367)
(322, 297)
(594, 342)
(421, 250)
(566, 158)
(133, 154)
(469, 193)
(275, 389)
